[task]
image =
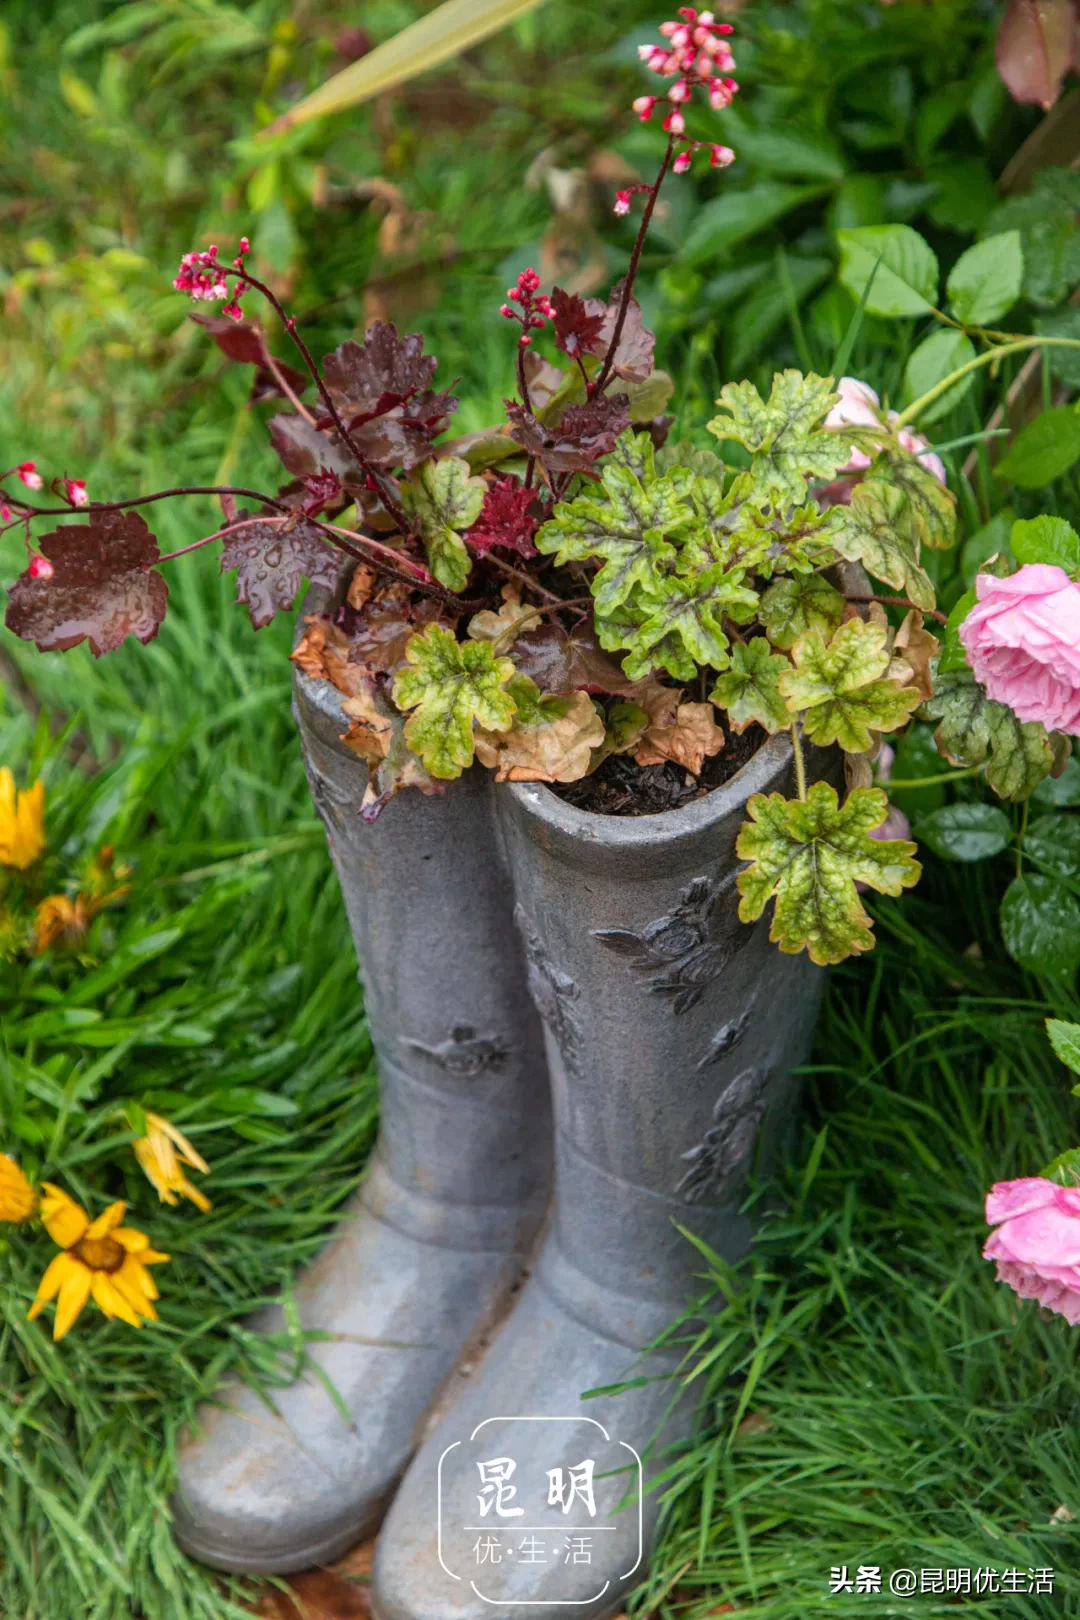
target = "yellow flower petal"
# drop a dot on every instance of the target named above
(49, 1286)
(160, 1175)
(130, 1280)
(64, 1220)
(111, 1300)
(199, 1199)
(131, 1238)
(187, 1152)
(17, 1197)
(74, 1293)
(151, 1257)
(22, 822)
(105, 1222)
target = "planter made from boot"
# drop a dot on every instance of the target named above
(672, 1031)
(436, 1237)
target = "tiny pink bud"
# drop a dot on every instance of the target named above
(233, 310)
(674, 123)
(40, 567)
(689, 13)
(721, 156)
(504, 309)
(622, 202)
(680, 91)
(524, 341)
(514, 294)
(75, 490)
(5, 512)
(682, 162)
(669, 28)
(29, 475)
(245, 245)
(643, 106)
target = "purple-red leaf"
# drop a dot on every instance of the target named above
(577, 326)
(379, 632)
(102, 589)
(505, 520)
(245, 341)
(304, 450)
(561, 662)
(368, 379)
(272, 559)
(1036, 46)
(634, 359)
(584, 433)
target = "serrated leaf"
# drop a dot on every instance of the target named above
(965, 832)
(837, 690)
(1053, 842)
(443, 498)
(505, 520)
(1043, 450)
(987, 280)
(272, 560)
(1040, 924)
(683, 453)
(1064, 1168)
(677, 623)
(551, 739)
(1046, 539)
(903, 268)
(953, 652)
(104, 587)
(628, 526)
(635, 450)
(1065, 1039)
(784, 435)
(936, 358)
(1060, 791)
(972, 726)
(749, 692)
(691, 737)
(809, 856)
(931, 514)
(790, 607)
(875, 529)
(451, 685)
(1046, 219)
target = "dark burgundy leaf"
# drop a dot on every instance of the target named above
(634, 360)
(273, 559)
(585, 432)
(505, 520)
(562, 662)
(388, 441)
(577, 328)
(543, 379)
(368, 379)
(245, 341)
(319, 490)
(103, 587)
(379, 631)
(430, 411)
(304, 450)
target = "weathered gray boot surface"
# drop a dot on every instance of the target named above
(436, 1237)
(672, 1029)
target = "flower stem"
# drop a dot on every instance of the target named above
(908, 783)
(989, 358)
(900, 601)
(632, 269)
(1021, 835)
(800, 763)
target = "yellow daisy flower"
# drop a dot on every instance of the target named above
(161, 1152)
(22, 822)
(18, 1199)
(102, 1260)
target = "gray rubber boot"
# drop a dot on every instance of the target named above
(436, 1238)
(672, 1029)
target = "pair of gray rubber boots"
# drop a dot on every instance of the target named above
(566, 1149)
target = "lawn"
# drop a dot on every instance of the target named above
(870, 1396)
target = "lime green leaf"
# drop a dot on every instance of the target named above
(876, 529)
(1040, 924)
(628, 526)
(784, 436)
(965, 832)
(683, 453)
(837, 690)
(750, 690)
(1046, 540)
(792, 606)
(451, 684)
(535, 708)
(1065, 1168)
(445, 32)
(906, 279)
(809, 857)
(931, 514)
(442, 497)
(677, 623)
(936, 358)
(971, 726)
(635, 450)
(987, 280)
(953, 653)
(1065, 1039)
(1043, 450)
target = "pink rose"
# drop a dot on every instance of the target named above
(1023, 642)
(1037, 1242)
(859, 406)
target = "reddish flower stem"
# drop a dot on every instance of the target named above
(632, 270)
(900, 601)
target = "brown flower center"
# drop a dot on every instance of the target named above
(100, 1254)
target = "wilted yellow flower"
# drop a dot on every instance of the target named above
(102, 1260)
(22, 822)
(161, 1152)
(18, 1199)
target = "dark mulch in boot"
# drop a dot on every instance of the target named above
(621, 788)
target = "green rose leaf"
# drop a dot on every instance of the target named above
(972, 726)
(1060, 791)
(451, 684)
(792, 606)
(679, 623)
(629, 526)
(936, 358)
(1065, 1168)
(1046, 540)
(953, 654)
(809, 856)
(1043, 450)
(875, 529)
(904, 269)
(836, 687)
(1065, 1039)
(987, 280)
(750, 690)
(784, 436)
(965, 832)
(931, 515)
(442, 497)
(1040, 924)
(1053, 843)
(1046, 219)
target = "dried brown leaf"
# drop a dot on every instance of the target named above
(693, 738)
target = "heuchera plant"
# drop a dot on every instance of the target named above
(570, 584)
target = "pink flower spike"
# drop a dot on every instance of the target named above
(680, 91)
(721, 156)
(29, 475)
(682, 162)
(40, 567)
(674, 123)
(643, 106)
(622, 202)
(75, 490)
